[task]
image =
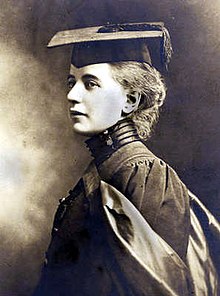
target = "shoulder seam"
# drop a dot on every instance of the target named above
(129, 162)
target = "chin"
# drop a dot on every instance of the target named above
(85, 132)
(81, 132)
(89, 131)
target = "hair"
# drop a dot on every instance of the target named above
(145, 79)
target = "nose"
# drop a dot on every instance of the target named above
(75, 94)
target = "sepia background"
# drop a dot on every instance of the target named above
(41, 158)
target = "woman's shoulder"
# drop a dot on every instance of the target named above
(155, 189)
(134, 167)
(135, 155)
(127, 153)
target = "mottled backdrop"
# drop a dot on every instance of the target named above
(40, 158)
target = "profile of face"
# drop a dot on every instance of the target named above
(96, 99)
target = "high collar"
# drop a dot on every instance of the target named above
(103, 145)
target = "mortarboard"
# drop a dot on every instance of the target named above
(141, 42)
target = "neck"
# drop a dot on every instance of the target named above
(103, 145)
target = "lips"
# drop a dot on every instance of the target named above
(76, 113)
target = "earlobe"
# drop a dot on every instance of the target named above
(132, 103)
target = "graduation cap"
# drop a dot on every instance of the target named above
(141, 42)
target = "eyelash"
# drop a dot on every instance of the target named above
(71, 83)
(91, 84)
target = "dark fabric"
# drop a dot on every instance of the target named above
(149, 183)
(144, 257)
(103, 145)
(201, 260)
(154, 51)
(80, 260)
(110, 51)
(149, 264)
(154, 188)
(115, 43)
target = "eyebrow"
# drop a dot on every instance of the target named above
(84, 77)
(89, 76)
(70, 76)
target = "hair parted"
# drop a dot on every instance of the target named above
(142, 77)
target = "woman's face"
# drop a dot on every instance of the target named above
(96, 99)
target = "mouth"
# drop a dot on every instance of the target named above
(74, 113)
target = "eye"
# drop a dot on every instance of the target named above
(71, 82)
(90, 84)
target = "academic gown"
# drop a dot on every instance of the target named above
(91, 254)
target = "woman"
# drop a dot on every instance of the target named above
(127, 234)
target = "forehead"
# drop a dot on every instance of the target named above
(102, 70)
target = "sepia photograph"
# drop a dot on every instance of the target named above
(110, 148)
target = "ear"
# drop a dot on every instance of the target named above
(160, 98)
(132, 103)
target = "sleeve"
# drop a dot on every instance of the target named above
(160, 196)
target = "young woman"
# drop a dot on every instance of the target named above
(124, 229)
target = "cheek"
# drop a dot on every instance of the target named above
(114, 108)
(106, 104)
(115, 100)
(117, 103)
